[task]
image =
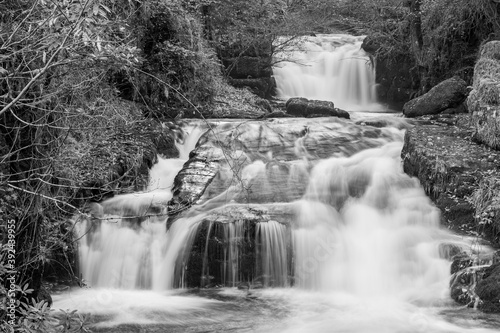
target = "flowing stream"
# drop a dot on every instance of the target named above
(300, 239)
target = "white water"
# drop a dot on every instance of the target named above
(365, 242)
(328, 67)
(360, 253)
(133, 253)
(384, 243)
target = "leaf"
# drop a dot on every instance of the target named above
(96, 8)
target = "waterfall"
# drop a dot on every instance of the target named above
(126, 246)
(327, 67)
(366, 228)
(272, 260)
(308, 225)
(358, 224)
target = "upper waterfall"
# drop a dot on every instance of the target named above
(327, 67)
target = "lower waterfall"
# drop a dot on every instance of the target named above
(301, 239)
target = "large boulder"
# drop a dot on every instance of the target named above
(303, 107)
(447, 94)
(484, 100)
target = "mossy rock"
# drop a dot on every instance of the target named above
(491, 50)
(486, 67)
(488, 289)
(489, 90)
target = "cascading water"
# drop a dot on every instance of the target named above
(128, 248)
(318, 212)
(327, 67)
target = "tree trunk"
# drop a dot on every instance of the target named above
(417, 42)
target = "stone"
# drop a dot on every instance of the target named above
(475, 280)
(491, 50)
(453, 169)
(302, 107)
(484, 100)
(447, 94)
(372, 43)
(488, 289)
(462, 286)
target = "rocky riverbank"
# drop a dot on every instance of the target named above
(461, 176)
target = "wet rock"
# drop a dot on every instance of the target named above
(475, 281)
(251, 213)
(463, 284)
(447, 94)
(303, 107)
(372, 43)
(450, 251)
(488, 289)
(192, 180)
(233, 161)
(379, 122)
(458, 174)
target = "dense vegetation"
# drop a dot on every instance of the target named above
(82, 83)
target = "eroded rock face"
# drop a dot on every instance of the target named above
(447, 94)
(302, 107)
(484, 100)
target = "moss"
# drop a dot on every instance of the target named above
(489, 90)
(491, 50)
(486, 200)
(486, 68)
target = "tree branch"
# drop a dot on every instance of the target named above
(47, 65)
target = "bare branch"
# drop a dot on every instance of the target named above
(48, 64)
